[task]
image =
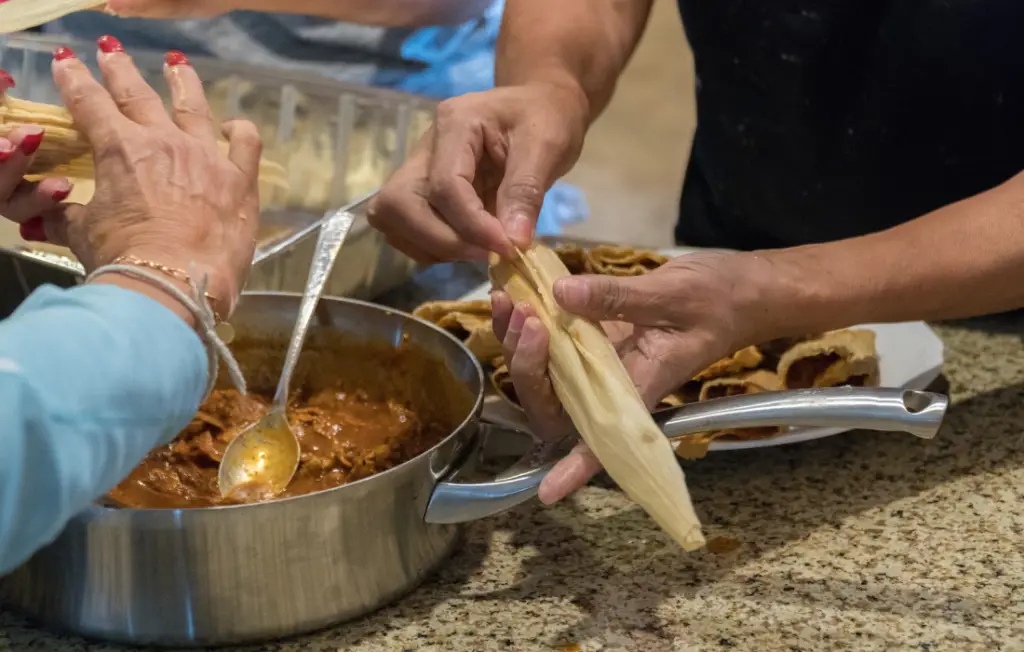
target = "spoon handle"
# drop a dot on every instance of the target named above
(332, 236)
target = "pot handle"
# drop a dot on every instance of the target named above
(901, 410)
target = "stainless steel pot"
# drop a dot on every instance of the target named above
(243, 573)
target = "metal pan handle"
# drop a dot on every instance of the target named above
(900, 410)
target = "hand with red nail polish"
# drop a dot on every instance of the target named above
(165, 190)
(22, 200)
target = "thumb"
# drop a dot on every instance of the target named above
(632, 299)
(529, 172)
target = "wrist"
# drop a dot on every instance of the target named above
(567, 89)
(792, 292)
(221, 290)
(152, 291)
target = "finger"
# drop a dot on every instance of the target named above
(529, 172)
(528, 368)
(571, 473)
(34, 198)
(16, 152)
(244, 146)
(59, 223)
(412, 250)
(510, 343)
(134, 97)
(88, 102)
(635, 299)
(501, 313)
(458, 150)
(189, 108)
(404, 216)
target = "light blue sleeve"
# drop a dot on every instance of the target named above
(91, 379)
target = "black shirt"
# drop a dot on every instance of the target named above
(823, 119)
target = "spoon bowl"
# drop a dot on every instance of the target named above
(260, 462)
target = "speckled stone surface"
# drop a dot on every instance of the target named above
(860, 542)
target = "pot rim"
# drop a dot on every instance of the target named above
(98, 511)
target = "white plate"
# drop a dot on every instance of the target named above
(910, 356)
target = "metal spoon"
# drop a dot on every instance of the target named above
(260, 462)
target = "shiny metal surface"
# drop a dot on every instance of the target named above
(356, 123)
(264, 457)
(900, 410)
(915, 412)
(242, 573)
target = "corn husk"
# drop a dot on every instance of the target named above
(601, 400)
(18, 15)
(66, 152)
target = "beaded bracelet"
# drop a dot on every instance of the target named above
(198, 305)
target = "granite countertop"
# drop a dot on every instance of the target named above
(862, 541)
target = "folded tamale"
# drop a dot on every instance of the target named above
(601, 399)
(846, 357)
(470, 321)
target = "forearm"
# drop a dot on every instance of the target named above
(583, 44)
(90, 380)
(387, 13)
(963, 260)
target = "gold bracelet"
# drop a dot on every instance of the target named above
(177, 274)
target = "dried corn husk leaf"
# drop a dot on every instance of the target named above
(600, 398)
(66, 152)
(19, 15)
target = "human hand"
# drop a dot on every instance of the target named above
(666, 325)
(490, 154)
(171, 8)
(165, 191)
(21, 200)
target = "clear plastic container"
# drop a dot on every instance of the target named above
(338, 143)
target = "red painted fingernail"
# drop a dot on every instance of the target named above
(33, 230)
(62, 53)
(60, 195)
(6, 81)
(30, 143)
(109, 45)
(176, 58)
(6, 152)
